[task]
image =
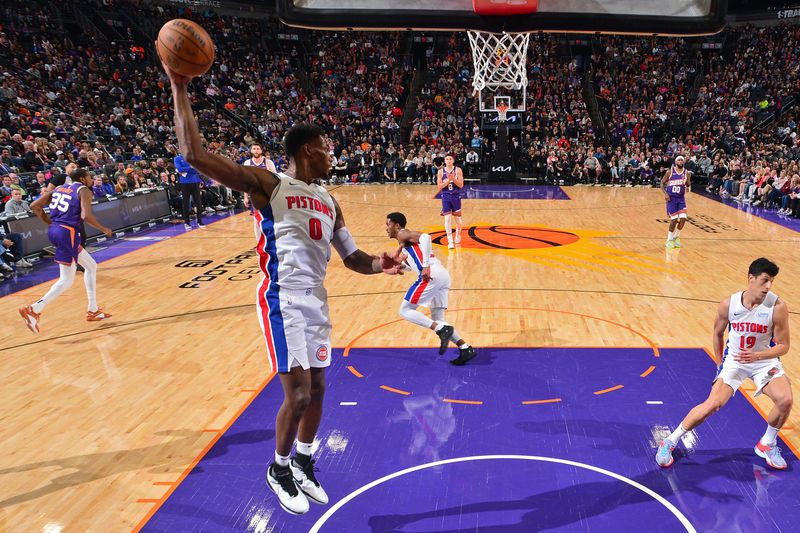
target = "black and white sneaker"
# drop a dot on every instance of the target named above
(464, 356)
(307, 481)
(281, 481)
(444, 337)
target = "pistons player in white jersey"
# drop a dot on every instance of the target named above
(430, 289)
(757, 322)
(257, 159)
(297, 223)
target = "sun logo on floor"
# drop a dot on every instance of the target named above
(561, 248)
(509, 237)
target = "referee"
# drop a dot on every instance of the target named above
(190, 189)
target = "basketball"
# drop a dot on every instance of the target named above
(185, 47)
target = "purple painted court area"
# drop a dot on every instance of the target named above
(550, 474)
(761, 212)
(513, 192)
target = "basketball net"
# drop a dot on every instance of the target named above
(499, 60)
(502, 109)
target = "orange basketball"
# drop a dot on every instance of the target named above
(185, 47)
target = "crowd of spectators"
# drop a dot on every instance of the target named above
(65, 98)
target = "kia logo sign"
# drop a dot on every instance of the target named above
(501, 169)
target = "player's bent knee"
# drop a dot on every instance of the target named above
(299, 401)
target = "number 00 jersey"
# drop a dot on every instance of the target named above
(294, 233)
(750, 329)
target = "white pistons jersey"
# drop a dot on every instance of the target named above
(414, 258)
(750, 329)
(294, 233)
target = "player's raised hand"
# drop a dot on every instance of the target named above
(175, 79)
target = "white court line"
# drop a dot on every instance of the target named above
(348, 403)
(658, 402)
(660, 499)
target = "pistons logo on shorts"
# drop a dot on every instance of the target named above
(322, 353)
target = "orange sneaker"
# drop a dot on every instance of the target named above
(31, 319)
(96, 316)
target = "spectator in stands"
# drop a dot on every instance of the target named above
(12, 251)
(97, 187)
(16, 205)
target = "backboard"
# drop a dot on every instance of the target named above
(644, 17)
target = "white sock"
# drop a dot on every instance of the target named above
(304, 448)
(670, 235)
(464, 346)
(89, 278)
(677, 233)
(65, 279)
(281, 460)
(675, 436)
(771, 436)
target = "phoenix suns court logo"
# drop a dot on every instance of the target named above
(509, 237)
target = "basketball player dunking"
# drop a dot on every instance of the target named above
(674, 184)
(257, 159)
(757, 322)
(296, 221)
(430, 289)
(450, 181)
(69, 206)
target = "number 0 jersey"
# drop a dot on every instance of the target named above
(294, 233)
(750, 328)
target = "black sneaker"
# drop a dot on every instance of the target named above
(465, 355)
(282, 483)
(444, 337)
(307, 481)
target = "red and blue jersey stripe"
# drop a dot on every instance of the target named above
(269, 305)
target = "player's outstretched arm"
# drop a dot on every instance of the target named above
(88, 215)
(252, 180)
(720, 325)
(353, 257)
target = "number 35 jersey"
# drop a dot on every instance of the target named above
(750, 329)
(294, 233)
(65, 205)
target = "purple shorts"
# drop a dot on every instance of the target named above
(451, 204)
(676, 207)
(67, 241)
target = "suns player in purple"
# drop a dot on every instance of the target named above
(675, 183)
(257, 159)
(450, 181)
(69, 205)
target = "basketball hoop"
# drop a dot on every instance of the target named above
(499, 60)
(502, 109)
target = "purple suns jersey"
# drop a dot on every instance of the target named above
(65, 206)
(676, 186)
(452, 189)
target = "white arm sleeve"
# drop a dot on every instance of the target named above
(425, 245)
(344, 243)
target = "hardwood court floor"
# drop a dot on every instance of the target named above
(100, 421)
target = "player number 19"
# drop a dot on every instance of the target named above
(745, 343)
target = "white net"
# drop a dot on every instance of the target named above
(499, 60)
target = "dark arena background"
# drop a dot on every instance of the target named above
(593, 321)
